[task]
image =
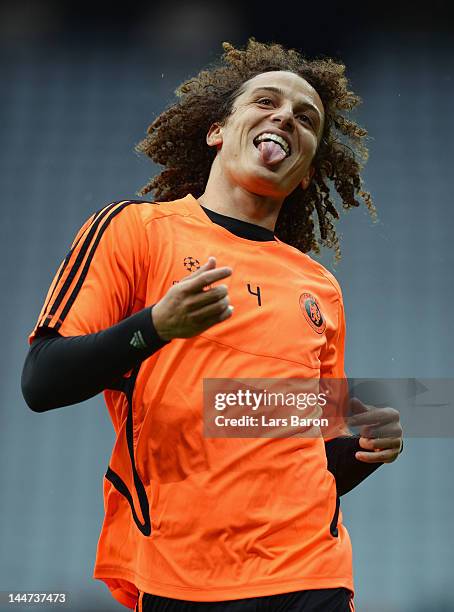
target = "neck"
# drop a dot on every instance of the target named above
(234, 201)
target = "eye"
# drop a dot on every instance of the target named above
(265, 101)
(306, 119)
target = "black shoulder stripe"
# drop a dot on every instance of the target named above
(65, 287)
(109, 206)
(101, 210)
(86, 267)
(63, 268)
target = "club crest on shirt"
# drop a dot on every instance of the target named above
(312, 313)
(191, 264)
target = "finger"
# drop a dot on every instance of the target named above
(207, 277)
(380, 443)
(210, 313)
(367, 418)
(389, 430)
(210, 264)
(203, 298)
(385, 456)
(227, 313)
(358, 407)
(209, 322)
(374, 416)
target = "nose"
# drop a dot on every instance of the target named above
(284, 116)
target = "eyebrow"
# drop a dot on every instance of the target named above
(301, 103)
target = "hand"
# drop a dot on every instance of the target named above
(188, 308)
(380, 431)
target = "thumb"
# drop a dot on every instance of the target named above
(357, 406)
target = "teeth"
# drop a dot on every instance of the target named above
(275, 138)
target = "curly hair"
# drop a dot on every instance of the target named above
(177, 140)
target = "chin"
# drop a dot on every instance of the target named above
(267, 191)
(260, 181)
(269, 188)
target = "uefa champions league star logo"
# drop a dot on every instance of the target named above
(191, 264)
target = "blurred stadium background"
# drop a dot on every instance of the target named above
(81, 82)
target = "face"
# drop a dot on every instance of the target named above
(272, 107)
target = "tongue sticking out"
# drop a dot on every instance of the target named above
(270, 152)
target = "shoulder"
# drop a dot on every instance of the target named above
(314, 269)
(149, 211)
(131, 212)
(324, 272)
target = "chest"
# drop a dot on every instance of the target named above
(282, 308)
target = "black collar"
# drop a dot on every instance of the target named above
(243, 229)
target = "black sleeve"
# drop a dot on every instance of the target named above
(342, 463)
(59, 371)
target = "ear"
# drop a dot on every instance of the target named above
(307, 178)
(214, 136)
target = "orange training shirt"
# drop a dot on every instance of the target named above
(190, 517)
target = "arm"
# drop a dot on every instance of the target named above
(342, 463)
(60, 371)
(352, 458)
(63, 370)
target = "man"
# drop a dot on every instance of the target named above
(213, 282)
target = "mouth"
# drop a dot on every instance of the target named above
(280, 141)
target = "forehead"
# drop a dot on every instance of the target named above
(292, 84)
